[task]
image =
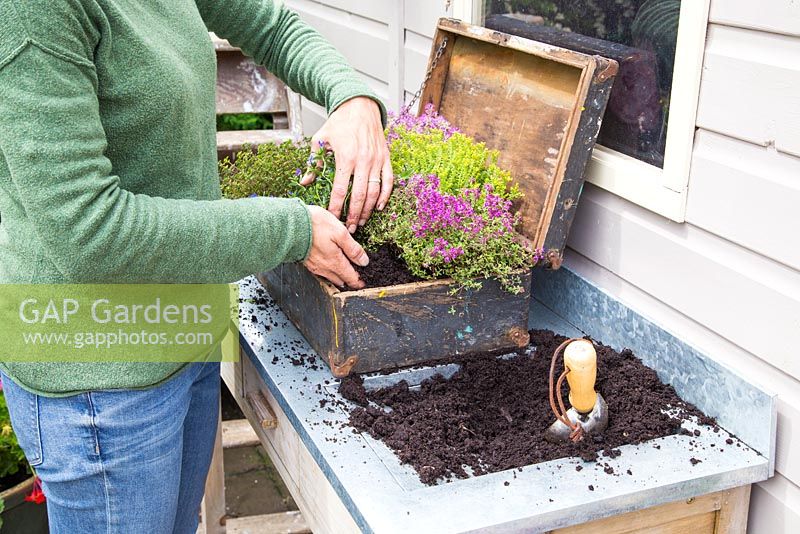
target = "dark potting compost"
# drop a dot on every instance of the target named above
(491, 414)
(385, 268)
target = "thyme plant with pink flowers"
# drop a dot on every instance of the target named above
(451, 214)
(274, 170)
(464, 235)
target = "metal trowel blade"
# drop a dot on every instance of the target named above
(594, 422)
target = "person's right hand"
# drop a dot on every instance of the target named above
(332, 250)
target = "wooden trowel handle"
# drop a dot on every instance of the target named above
(581, 360)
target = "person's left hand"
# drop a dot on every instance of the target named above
(355, 134)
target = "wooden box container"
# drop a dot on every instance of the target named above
(634, 117)
(396, 326)
(539, 106)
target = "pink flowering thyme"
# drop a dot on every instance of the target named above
(437, 210)
(442, 249)
(430, 121)
(466, 235)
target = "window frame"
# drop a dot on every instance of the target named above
(662, 191)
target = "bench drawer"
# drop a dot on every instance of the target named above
(321, 507)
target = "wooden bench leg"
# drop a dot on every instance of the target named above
(212, 509)
(732, 515)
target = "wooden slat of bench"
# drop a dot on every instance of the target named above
(234, 140)
(238, 433)
(653, 518)
(279, 523)
(212, 508)
(732, 516)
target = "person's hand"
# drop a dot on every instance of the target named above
(332, 250)
(355, 134)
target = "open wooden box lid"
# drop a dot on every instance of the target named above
(539, 105)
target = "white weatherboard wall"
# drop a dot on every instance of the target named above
(727, 280)
(386, 41)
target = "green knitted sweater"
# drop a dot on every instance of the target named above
(108, 170)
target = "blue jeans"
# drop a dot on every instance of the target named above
(122, 461)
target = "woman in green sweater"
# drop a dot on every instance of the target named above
(108, 174)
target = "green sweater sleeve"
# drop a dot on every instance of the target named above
(275, 37)
(92, 230)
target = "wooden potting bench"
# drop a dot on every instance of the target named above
(345, 484)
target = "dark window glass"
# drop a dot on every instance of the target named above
(639, 34)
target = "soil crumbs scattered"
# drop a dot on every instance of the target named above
(491, 415)
(352, 389)
(385, 269)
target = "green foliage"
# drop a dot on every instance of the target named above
(322, 164)
(456, 159)
(12, 459)
(275, 171)
(270, 171)
(244, 121)
(496, 258)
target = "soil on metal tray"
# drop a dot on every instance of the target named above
(491, 415)
(385, 269)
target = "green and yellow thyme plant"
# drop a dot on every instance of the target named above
(275, 170)
(451, 214)
(270, 171)
(430, 145)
